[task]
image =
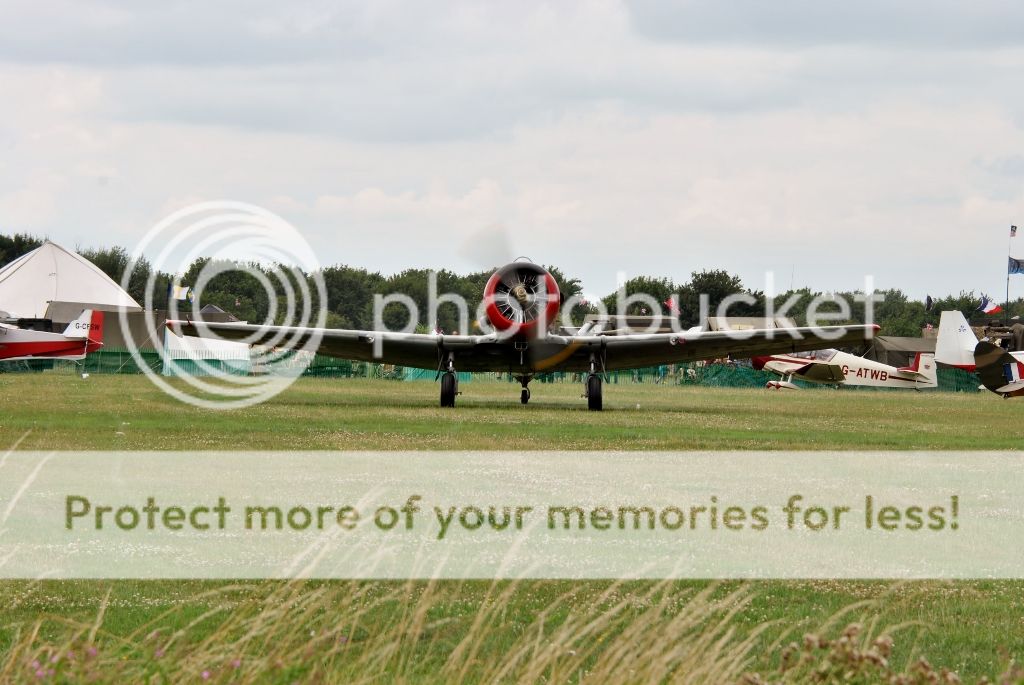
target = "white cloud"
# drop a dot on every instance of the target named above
(603, 136)
(34, 205)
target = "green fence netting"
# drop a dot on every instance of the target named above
(114, 361)
(102, 361)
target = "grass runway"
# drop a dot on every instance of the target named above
(420, 632)
(127, 412)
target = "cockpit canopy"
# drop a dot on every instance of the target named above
(817, 355)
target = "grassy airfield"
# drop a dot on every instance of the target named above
(482, 632)
(128, 412)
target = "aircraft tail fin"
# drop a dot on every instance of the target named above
(924, 369)
(88, 326)
(956, 343)
(1000, 371)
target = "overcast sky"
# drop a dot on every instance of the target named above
(824, 140)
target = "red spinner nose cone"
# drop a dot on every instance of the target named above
(522, 299)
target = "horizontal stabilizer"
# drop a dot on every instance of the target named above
(923, 369)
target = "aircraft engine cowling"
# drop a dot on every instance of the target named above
(522, 299)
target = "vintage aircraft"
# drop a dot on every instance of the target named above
(521, 303)
(82, 336)
(840, 368)
(1000, 370)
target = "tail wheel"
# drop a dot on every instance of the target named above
(448, 390)
(524, 396)
(594, 402)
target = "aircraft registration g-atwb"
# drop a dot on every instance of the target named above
(521, 303)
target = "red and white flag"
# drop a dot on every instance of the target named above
(988, 306)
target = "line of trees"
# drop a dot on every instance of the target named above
(350, 292)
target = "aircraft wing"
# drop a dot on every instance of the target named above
(554, 353)
(821, 372)
(405, 349)
(640, 350)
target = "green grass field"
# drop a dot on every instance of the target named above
(421, 632)
(127, 412)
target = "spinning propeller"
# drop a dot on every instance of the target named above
(520, 294)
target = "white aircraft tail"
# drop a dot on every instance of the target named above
(956, 343)
(924, 370)
(88, 326)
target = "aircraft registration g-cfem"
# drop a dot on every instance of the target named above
(82, 336)
(521, 302)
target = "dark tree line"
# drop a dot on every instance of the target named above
(350, 292)
(13, 246)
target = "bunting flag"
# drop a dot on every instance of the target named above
(1016, 266)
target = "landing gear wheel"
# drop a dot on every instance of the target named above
(524, 396)
(448, 389)
(594, 402)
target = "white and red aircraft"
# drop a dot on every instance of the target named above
(841, 368)
(521, 302)
(1000, 370)
(82, 336)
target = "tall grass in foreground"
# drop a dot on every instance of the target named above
(356, 632)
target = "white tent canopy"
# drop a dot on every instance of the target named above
(51, 273)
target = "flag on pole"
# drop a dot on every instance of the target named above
(988, 306)
(179, 292)
(1013, 231)
(1015, 266)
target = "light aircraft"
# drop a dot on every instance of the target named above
(1000, 370)
(842, 368)
(82, 336)
(521, 302)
